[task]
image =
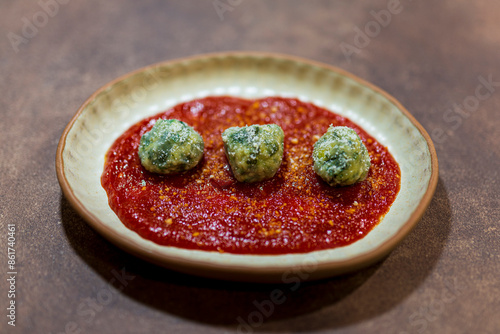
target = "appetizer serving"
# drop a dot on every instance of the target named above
(298, 179)
(112, 111)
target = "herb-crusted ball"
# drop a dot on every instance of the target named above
(340, 157)
(170, 147)
(254, 152)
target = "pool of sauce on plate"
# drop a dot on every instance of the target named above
(207, 209)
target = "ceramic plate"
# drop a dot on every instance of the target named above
(115, 107)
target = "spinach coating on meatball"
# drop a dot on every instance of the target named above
(254, 152)
(170, 147)
(340, 157)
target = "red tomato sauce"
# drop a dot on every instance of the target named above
(207, 209)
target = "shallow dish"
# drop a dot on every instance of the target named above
(116, 106)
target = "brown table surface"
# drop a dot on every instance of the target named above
(436, 58)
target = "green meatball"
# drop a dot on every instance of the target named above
(340, 157)
(170, 147)
(254, 152)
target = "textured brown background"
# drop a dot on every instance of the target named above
(443, 278)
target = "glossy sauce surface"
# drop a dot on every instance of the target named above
(207, 209)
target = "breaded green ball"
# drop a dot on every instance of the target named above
(254, 152)
(340, 157)
(170, 147)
